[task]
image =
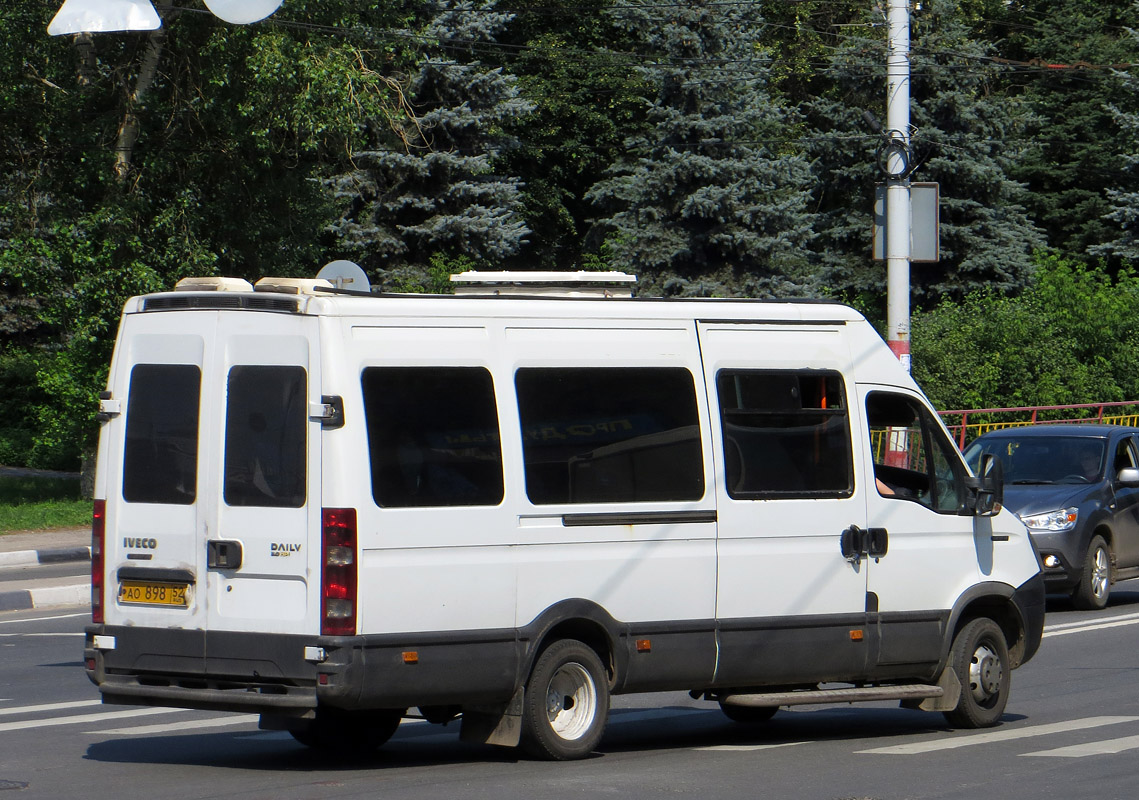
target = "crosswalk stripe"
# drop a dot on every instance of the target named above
(82, 718)
(1106, 747)
(215, 722)
(743, 748)
(47, 707)
(1004, 735)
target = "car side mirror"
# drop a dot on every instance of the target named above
(988, 487)
(1128, 476)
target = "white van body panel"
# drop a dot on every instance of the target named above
(654, 481)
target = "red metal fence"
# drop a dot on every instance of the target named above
(967, 425)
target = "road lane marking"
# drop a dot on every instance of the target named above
(998, 736)
(83, 718)
(1106, 747)
(177, 727)
(1081, 626)
(48, 707)
(43, 619)
(743, 748)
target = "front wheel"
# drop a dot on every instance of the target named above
(980, 659)
(566, 703)
(1095, 580)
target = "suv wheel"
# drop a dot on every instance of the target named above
(1095, 582)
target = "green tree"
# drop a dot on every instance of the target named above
(437, 190)
(1071, 337)
(132, 160)
(1063, 50)
(1123, 243)
(964, 137)
(712, 198)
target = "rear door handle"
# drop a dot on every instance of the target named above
(223, 554)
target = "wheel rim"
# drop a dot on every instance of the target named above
(571, 702)
(1100, 573)
(985, 674)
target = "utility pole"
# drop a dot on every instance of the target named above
(897, 165)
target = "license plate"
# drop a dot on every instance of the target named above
(147, 592)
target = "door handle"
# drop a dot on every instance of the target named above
(877, 542)
(854, 543)
(221, 554)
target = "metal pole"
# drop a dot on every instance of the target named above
(898, 183)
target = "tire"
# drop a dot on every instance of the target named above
(352, 733)
(749, 715)
(979, 657)
(566, 703)
(1092, 592)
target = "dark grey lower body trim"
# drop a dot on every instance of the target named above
(268, 672)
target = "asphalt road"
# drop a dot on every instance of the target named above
(1071, 730)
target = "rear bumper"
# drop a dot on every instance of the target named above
(291, 675)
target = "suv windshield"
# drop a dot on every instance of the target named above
(1035, 460)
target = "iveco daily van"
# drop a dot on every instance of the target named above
(337, 510)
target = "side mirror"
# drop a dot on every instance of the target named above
(989, 486)
(1128, 476)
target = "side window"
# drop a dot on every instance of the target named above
(786, 434)
(913, 460)
(610, 435)
(1124, 456)
(432, 436)
(160, 462)
(265, 447)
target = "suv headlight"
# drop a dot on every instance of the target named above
(1062, 520)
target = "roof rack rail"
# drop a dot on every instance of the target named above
(552, 284)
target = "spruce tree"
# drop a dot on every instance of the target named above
(963, 137)
(1061, 53)
(433, 192)
(1123, 197)
(712, 199)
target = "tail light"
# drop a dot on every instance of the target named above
(338, 572)
(98, 543)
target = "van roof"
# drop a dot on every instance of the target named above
(306, 296)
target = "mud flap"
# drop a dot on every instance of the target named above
(500, 725)
(951, 687)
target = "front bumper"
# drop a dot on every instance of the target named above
(1029, 601)
(1064, 548)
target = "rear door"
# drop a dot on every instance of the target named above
(258, 561)
(154, 520)
(208, 530)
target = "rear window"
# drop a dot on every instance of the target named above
(265, 448)
(609, 435)
(160, 462)
(432, 436)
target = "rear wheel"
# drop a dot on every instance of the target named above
(1095, 581)
(980, 659)
(349, 732)
(566, 703)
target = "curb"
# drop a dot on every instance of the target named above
(49, 597)
(24, 558)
